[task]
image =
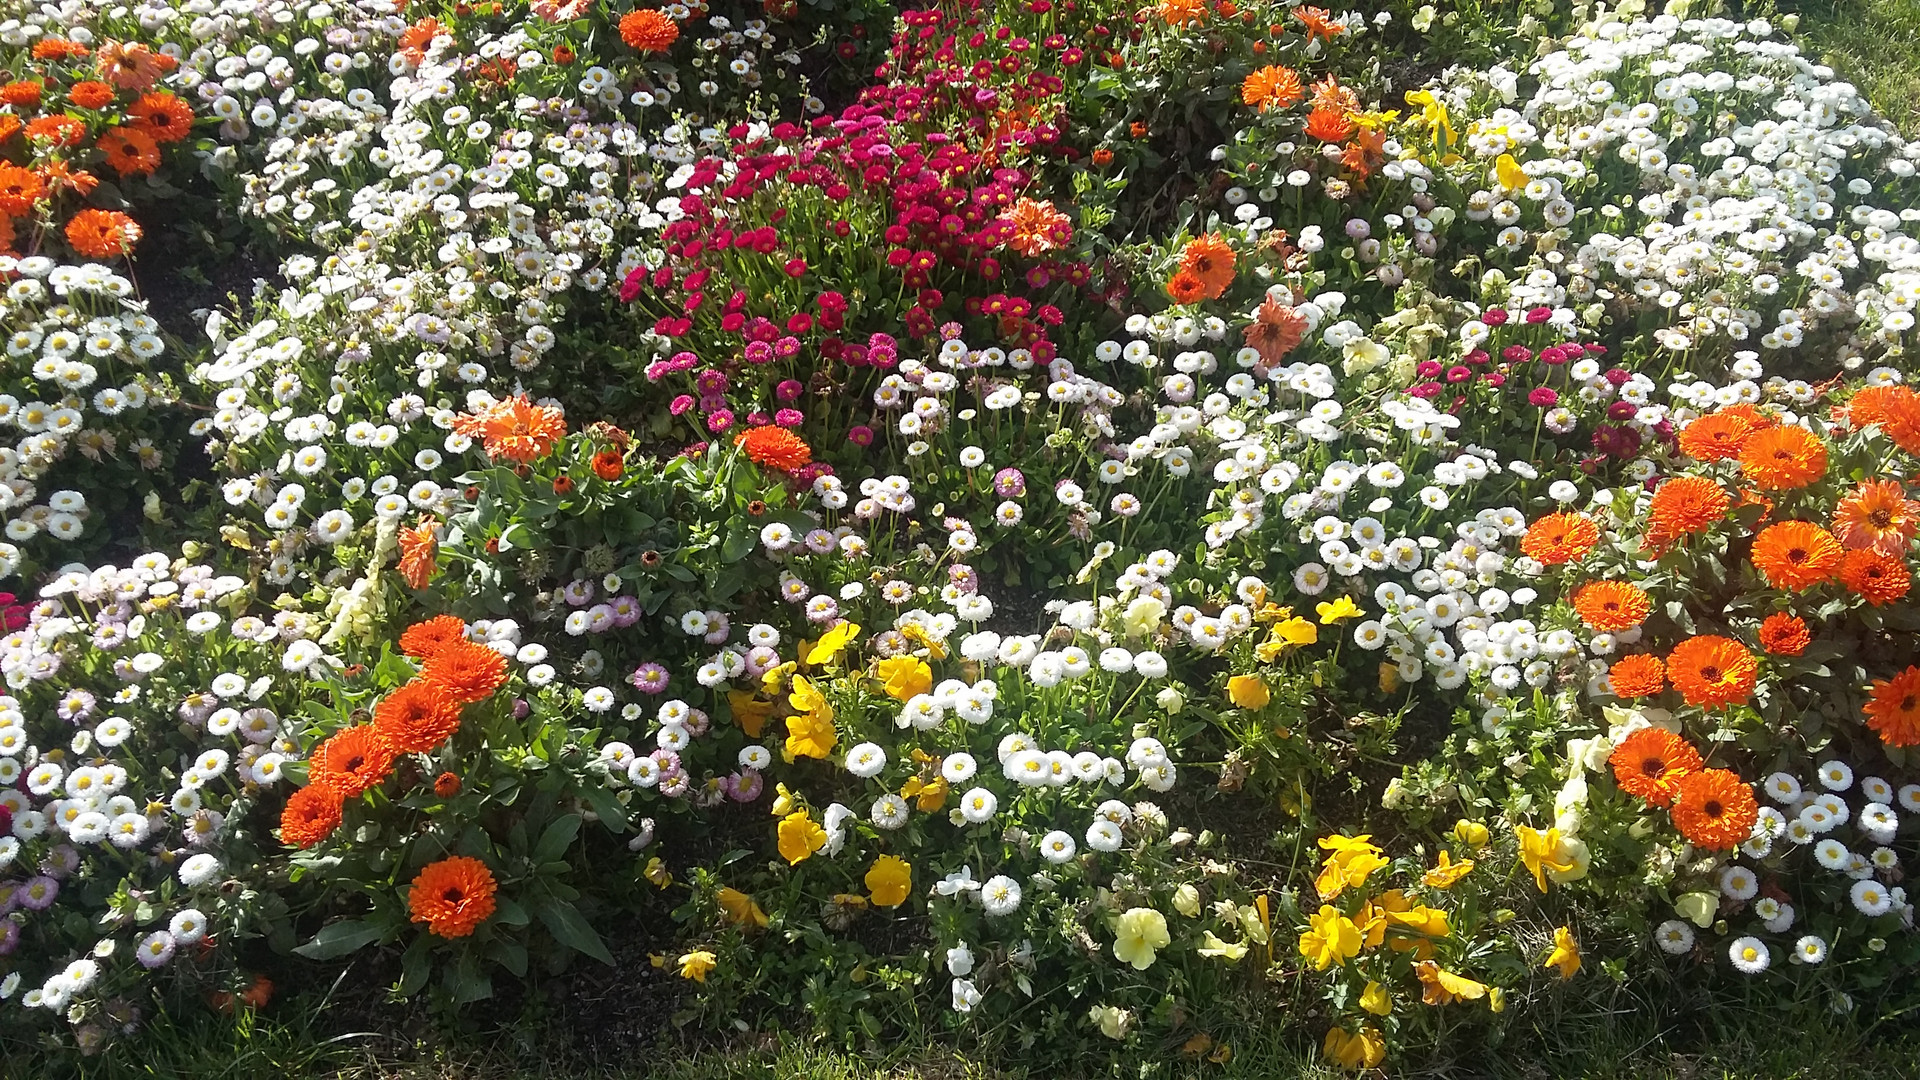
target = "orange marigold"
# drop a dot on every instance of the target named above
(1651, 762)
(648, 30)
(446, 785)
(1211, 260)
(25, 93)
(423, 639)
(1715, 437)
(91, 94)
(1784, 634)
(1893, 708)
(416, 718)
(350, 761)
(19, 190)
(1318, 23)
(1715, 809)
(417, 550)
(609, 465)
(130, 151)
(1329, 125)
(1183, 12)
(774, 448)
(1783, 458)
(1272, 87)
(1560, 538)
(54, 48)
(311, 815)
(1874, 404)
(102, 234)
(453, 896)
(1038, 227)
(1879, 579)
(1637, 676)
(132, 67)
(1683, 506)
(1612, 606)
(1877, 516)
(162, 116)
(1185, 287)
(466, 670)
(61, 130)
(1711, 670)
(1275, 331)
(1902, 423)
(514, 428)
(1796, 554)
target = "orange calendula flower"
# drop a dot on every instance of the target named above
(453, 896)
(1038, 227)
(1893, 708)
(1211, 260)
(1651, 762)
(132, 67)
(91, 94)
(1683, 506)
(514, 428)
(1879, 579)
(416, 718)
(1637, 676)
(1329, 125)
(1877, 516)
(24, 93)
(1319, 23)
(1329, 94)
(61, 130)
(19, 190)
(1715, 809)
(162, 116)
(446, 785)
(1784, 634)
(1715, 437)
(1560, 538)
(350, 761)
(1612, 606)
(417, 550)
(774, 448)
(1272, 87)
(649, 31)
(466, 670)
(1183, 12)
(102, 234)
(311, 815)
(609, 465)
(1783, 458)
(1796, 555)
(1711, 670)
(1185, 287)
(424, 639)
(415, 39)
(56, 49)
(1275, 331)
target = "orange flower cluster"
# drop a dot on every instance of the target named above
(1683, 506)
(514, 428)
(648, 30)
(1712, 808)
(416, 718)
(453, 896)
(1894, 409)
(418, 549)
(1038, 227)
(774, 448)
(1560, 538)
(1783, 458)
(1877, 517)
(1206, 269)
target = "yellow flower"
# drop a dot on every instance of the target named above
(1350, 862)
(749, 711)
(1442, 987)
(1376, 1000)
(1113, 1021)
(1566, 953)
(1471, 833)
(1137, 934)
(1543, 853)
(656, 872)
(810, 735)
(832, 642)
(696, 964)
(1298, 631)
(1186, 901)
(917, 634)
(1331, 939)
(1249, 691)
(1333, 611)
(905, 676)
(800, 837)
(1142, 616)
(1211, 945)
(1389, 677)
(740, 908)
(1364, 1049)
(782, 801)
(1433, 113)
(890, 880)
(1509, 172)
(775, 680)
(1446, 872)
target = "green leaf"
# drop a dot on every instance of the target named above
(568, 927)
(511, 955)
(557, 837)
(415, 966)
(508, 912)
(340, 938)
(612, 814)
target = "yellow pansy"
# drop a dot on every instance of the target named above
(1137, 934)
(696, 964)
(749, 711)
(1509, 173)
(1442, 987)
(1350, 860)
(890, 881)
(929, 795)
(1433, 113)
(1471, 833)
(832, 642)
(904, 676)
(1543, 853)
(800, 836)
(1446, 872)
(1376, 1000)
(1566, 953)
(783, 801)
(1211, 945)
(1333, 611)
(810, 735)
(740, 908)
(775, 680)
(917, 634)
(1331, 938)
(1248, 691)
(1363, 1049)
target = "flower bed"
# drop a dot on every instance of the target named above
(1036, 517)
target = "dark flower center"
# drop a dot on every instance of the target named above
(1712, 808)
(1710, 673)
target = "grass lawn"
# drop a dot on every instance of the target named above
(1874, 44)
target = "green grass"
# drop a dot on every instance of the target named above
(1875, 44)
